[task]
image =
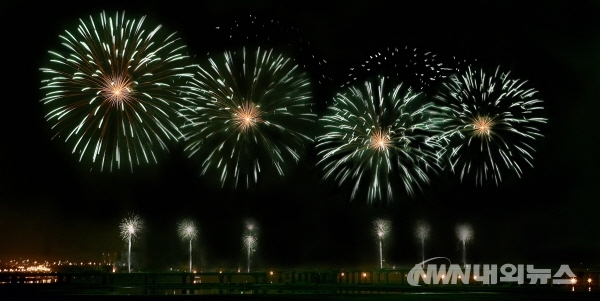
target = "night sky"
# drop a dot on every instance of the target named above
(53, 207)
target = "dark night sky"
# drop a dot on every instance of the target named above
(52, 207)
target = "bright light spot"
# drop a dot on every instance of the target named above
(116, 89)
(246, 116)
(482, 126)
(380, 140)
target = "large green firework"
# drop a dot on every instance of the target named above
(378, 137)
(489, 122)
(112, 89)
(250, 110)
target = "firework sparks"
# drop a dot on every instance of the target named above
(418, 68)
(482, 126)
(422, 230)
(250, 242)
(464, 232)
(488, 124)
(376, 134)
(112, 91)
(130, 226)
(249, 111)
(187, 230)
(251, 225)
(381, 228)
(254, 31)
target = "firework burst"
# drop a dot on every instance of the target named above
(422, 230)
(112, 91)
(250, 110)
(130, 226)
(187, 230)
(376, 134)
(464, 232)
(489, 122)
(381, 228)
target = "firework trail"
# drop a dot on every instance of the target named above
(187, 230)
(422, 233)
(112, 91)
(488, 123)
(464, 232)
(250, 110)
(130, 226)
(375, 134)
(381, 229)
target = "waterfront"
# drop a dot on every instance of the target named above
(274, 285)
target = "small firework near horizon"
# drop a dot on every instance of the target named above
(464, 232)
(250, 238)
(488, 122)
(422, 233)
(130, 226)
(250, 110)
(376, 135)
(381, 230)
(422, 230)
(112, 90)
(187, 230)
